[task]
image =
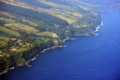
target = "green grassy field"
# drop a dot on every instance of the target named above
(47, 34)
(85, 25)
(64, 12)
(31, 23)
(9, 31)
(19, 26)
(22, 49)
(2, 43)
(9, 20)
(7, 14)
(5, 38)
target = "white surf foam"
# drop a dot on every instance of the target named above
(12, 68)
(98, 26)
(96, 34)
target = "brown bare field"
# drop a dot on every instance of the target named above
(55, 41)
(14, 49)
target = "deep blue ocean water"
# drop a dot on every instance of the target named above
(95, 57)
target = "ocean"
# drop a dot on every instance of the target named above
(95, 57)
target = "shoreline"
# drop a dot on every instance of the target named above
(43, 52)
(68, 39)
(96, 29)
(49, 49)
(98, 26)
(6, 70)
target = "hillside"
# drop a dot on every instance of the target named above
(103, 5)
(97, 5)
(30, 26)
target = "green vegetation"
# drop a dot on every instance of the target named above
(6, 34)
(9, 31)
(26, 31)
(36, 3)
(98, 5)
(46, 18)
(8, 20)
(22, 49)
(2, 43)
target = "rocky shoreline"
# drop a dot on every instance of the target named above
(43, 52)
(6, 70)
(93, 33)
(98, 27)
(86, 34)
